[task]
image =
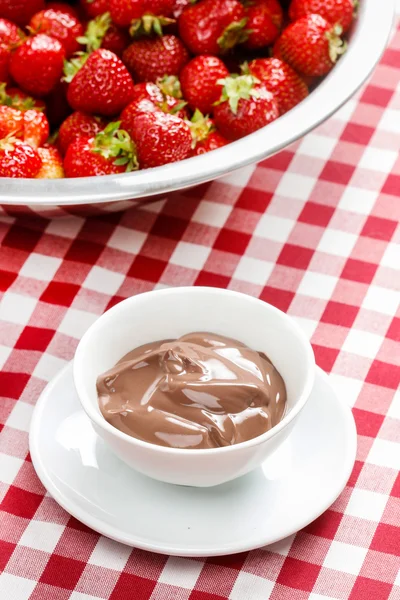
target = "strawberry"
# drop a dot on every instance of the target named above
(142, 16)
(63, 7)
(10, 37)
(18, 159)
(94, 8)
(150, 59)
(179, 7)
(311, 45)
(205, 137)
(287, 86)
(134, 109)
(338, 12)
(10, 34)
(37, 64)
(11, 122)
(101, 86)
(18, 99)
(59, 25)
(245, 106)
(52, 164)
(264, 22)
(78, 124)
(123, 12)
(36, 128)
(115, 40)
(212, 26)
(199, 82)
(109, 152)
(160, 138)
(20, 11)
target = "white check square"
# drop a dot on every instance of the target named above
(42, 535)
(39, 266)
(358, 200)
(191, 256)
(385, 454)
(347, 388)
(381, 300)
(317, 285)
(293, 185)
(127, 240)
(48, 366)
(181, 572)
(338, 243)
(317, 146)
(20, 416)
(366, 505)
(391, 257)
(76, 322)
(67, 227)
(10, 465)
(103, 281)
(394, 408)
(248, 587)
(211, 213)
(362, 343)
(345, 557)
(253, 270)
(5, 352)
(390, 120)
(16, 308)
(240, 177)
(15, 588)
(274, 228)
(378, 159)
(110, 554)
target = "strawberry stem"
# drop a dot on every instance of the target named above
(200, 127)
(148, 24)
(236, 87)
(71, 67)
(116, 143)
(95, 32)
(170, 86)
(337, 46)
(234, 34)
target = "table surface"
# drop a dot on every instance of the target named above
(313, 230)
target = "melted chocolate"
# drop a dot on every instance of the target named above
(200, 391)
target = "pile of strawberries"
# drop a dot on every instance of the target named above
(98, 87)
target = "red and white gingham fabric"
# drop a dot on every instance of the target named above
(315, 231)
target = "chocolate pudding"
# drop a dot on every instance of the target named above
(200, 391)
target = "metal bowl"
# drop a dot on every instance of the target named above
(87, 195)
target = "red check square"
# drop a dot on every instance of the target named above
(392, 185)
(394, 330)
(379, 229)
(338, 313)
(376, 95)
(21, 238)
(325, 357)
(358, 270)
(60, 293)
(386, 539)
(337, 172)
(359, 134)
(232, 241)
(295, 256)
(169, 227)
(298, 574)
(326, 525)
(62, 572)
(6, 280)
(384, 374)
(282, 299)
(252, 199)
(20, 503)
(368, 423)
(365, 588)
(146, 268)
(34, 338)
(316, 214)
(143, 588)
(12, 384)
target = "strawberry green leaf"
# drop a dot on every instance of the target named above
(236, 87)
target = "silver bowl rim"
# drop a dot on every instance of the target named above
(367, 43)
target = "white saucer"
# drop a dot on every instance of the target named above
(293, 487)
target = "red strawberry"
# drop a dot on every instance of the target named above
(123, 12)
(199, 82)
(20, 11)
(179, 7)
(52, 164)
(10, 37)
(212, 26)
(150, 59)
(264, 22)
(111, 151)
(134, 109)
(59, 25)
(115, 40)
(18, 159)
(10, 34)
(101, 86)
(287, 86)
(310, 45)
(36, 128)
(77, 125)
(148, 97)
(244, 107)
(160, 138)
(63, 7)
(204, 135)
(11, 122)
(94, 8)
(37, 64)
(18, 99)
(338, 12)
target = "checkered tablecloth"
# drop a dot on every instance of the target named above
(315, 231)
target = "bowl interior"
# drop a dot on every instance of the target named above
(173, 312)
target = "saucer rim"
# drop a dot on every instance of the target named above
(117, 534)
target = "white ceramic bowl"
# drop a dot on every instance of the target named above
(86, 195)
(171, 313)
